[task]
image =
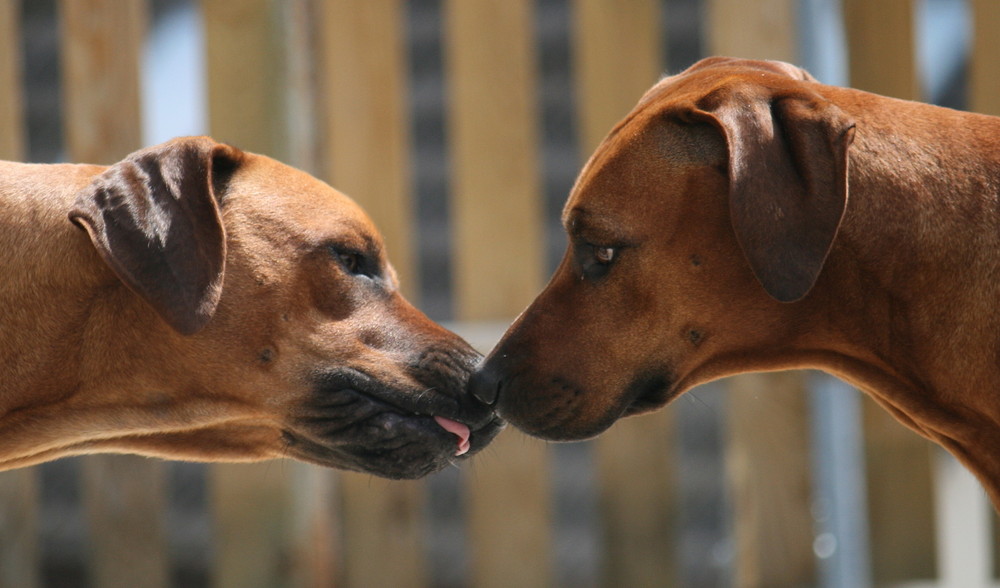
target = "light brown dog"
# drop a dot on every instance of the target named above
(197, 302)
(744, 217)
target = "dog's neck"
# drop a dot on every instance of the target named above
(53, 280)
(919, 248)
(80, 351)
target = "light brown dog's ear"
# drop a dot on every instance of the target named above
(787, 179)
(154, 218)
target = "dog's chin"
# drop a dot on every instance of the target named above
(363, 429)
(576, 420)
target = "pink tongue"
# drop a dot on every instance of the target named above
(456, 429)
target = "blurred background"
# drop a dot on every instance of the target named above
(460, 126)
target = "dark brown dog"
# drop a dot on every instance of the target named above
(744, 217)
(218, 306)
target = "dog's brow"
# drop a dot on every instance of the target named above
(576, 219)
(581, 223)
(358, 240)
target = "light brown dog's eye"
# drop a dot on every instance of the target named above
(604, 254)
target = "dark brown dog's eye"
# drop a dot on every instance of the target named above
(351, 261)
(604, 254)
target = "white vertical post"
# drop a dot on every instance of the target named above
(964, 537)
(842, 531)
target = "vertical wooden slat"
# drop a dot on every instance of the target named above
(900, 499)
(12, 139)
(314, 527)
(363, 75)
(490, 69)
(767, 460)
(245, 56)
(608, 35)
(882, 49)
(984, 90)
(760, 30)
(984, 97)
(101, 50)
(766, 412)
(19, 488)
(315, 498)
(382, 522)
(19, 557)
(252, 517)
(638, 517)
(251, 502)
(124, 495)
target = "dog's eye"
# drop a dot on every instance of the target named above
(351, 261)
(604, 255)
(595, 260)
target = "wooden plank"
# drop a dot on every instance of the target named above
(124, 495)
(252, 503)
(384, 529)
(768, 460)
(492, 125)
(19, 553)
(768, 449)
(252, 516)
(984, 83)
(498, 244)
(882, 49)
(984, 96)
(637, 496)
(125, 498)
(604, 38)
(313, 526)
(900, 499)
(764, 29)
(12, 128)
(638, 502)
(509, 514)
(315, 532)
(365, 91)
(101, 50)
(244, 55)
(19, 557)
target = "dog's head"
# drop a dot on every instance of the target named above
(281, 330)
(728, 172)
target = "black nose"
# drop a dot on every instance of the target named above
(484, 385)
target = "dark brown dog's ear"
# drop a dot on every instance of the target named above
(787, 179)
(154, 218)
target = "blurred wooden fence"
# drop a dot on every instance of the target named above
(324, 85)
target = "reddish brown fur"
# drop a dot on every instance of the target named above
(904, 306)
(87, 365)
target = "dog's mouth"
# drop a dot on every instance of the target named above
(649, 391)
(564, 410)
(355, 423)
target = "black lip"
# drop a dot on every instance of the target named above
(649, 391)
(427, 402)
(354, 422)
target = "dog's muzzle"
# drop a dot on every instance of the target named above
(358, 423)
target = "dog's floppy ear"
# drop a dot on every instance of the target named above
(787, 179)
(154, 218)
